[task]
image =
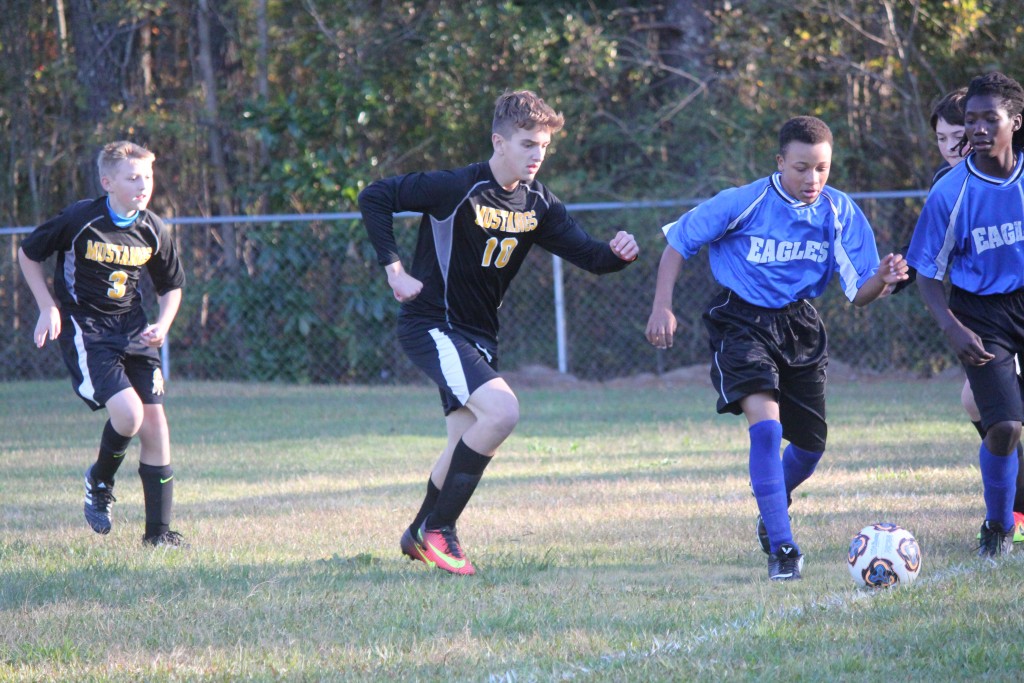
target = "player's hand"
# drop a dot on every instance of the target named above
(893, 269)
(624, 246)
(48, 326)
(154, 335)
(404, 286)
(968, 346)
(661, 328)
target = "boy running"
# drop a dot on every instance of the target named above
(110, 349)
(478, 224)
(774, 244)
(970, 229)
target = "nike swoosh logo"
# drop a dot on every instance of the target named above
(164, 481)
(448, 560)
(117, 456)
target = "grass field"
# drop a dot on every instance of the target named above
(613, 537)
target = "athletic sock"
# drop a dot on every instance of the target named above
(464, 473)
(429, 501)
(158, 492)
(1018, 499)
(113, 446)
(797, 466)
(999, 477)
(768, 482)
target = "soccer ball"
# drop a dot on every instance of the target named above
(884, 555)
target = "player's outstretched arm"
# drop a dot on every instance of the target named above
(965, 342)
(48, 324)
(624, 246)
(892, 269)
(661, 325)
(169, 303)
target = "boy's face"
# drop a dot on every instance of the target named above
(989, 126)
(948, 136)
(129, 186)
(520, 156)
(804, 168)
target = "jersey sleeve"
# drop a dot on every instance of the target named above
(562, 236)
(53, 236)
(856, 253)
(430, 193)
(928, 244)
(704, 223)
(165, 267)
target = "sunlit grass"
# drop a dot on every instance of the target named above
(613, 536)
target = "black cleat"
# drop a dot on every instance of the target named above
(99, 496)
(995, 540)
(168, 539)
(785, 565)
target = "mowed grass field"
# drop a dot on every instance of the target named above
(613, 537)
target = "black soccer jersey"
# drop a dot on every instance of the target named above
(473, 238)
(98, 263)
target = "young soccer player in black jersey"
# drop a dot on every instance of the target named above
(478, 224)
(102, 246)
(970, 229)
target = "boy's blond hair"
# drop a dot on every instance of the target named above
(114, 153)
(523, 109)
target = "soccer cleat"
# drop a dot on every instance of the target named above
(785, 565)
(1018, 527)
(995, 540)
(167, 539)
(441, 547)
(412, 549)
(762, 537)
(99, 495)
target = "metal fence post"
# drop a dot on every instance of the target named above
(556, 272)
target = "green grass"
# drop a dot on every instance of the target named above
(613, 537)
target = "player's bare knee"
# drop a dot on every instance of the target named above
(1002, 437)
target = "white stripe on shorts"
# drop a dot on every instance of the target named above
(451, 365)
(86, 390)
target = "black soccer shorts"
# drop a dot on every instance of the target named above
(458, 361)
(781, 351)
(105, 355)
(999, 320)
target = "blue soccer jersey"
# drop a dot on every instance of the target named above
(772, 249)
(970, 229)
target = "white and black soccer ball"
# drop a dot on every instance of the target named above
(884, 555)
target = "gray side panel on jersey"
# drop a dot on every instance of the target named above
(443, 237)
(70, 264)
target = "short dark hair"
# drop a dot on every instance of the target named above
(950, 108)
(808, 129)
(523, 109)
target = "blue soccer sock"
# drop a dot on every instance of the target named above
(999, 477)
(768, 482)
(797, 466)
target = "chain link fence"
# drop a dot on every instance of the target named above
(302, 299)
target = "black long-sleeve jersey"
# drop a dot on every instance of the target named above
(98, 263)
(473, 238)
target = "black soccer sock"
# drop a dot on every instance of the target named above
(158, 492)
(113, 446)
(426, 508)
(464, 473)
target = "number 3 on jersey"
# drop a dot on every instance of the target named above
(504, 254)
(117, 280)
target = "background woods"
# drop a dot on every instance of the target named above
(271, 107)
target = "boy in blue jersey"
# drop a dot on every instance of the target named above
(478, 224)
(971, 229)
(774, 244)
(109, 347)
